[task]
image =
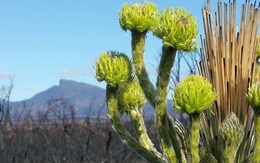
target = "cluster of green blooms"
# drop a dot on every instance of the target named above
(130, 96)
(177, 28)
(137, 16)
(114, 68)
(193, 95)
(127, 93)
(253, 96)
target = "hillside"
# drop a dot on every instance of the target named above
(88, 99)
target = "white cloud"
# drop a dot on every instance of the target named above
(5, 74)
(73, 72)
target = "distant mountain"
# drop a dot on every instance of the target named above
(88, 99)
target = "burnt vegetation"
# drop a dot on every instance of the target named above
(56, 135)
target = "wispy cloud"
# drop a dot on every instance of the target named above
(5, 74)
(73, 72)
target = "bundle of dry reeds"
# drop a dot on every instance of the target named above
(229, 57)
(229, 61)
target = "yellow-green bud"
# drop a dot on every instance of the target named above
(177, 28)
(193, 95)
(138, 16)
(232, 133)
(231, 130)
(130, 96)
(113, 67)
(253, 97)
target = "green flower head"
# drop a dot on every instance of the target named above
(130, 96)
(138, 16)
(177, 28)
(231, 131)
(253, 97)
(113, 67)
(193, 95)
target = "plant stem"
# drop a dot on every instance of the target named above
(138, 44)
(257, 134)
(140, 128)
(166, 63)
(173, 137)
(125, 136)
(194, 137)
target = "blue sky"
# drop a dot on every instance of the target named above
(43, 41)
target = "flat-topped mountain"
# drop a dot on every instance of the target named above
(87, 99)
